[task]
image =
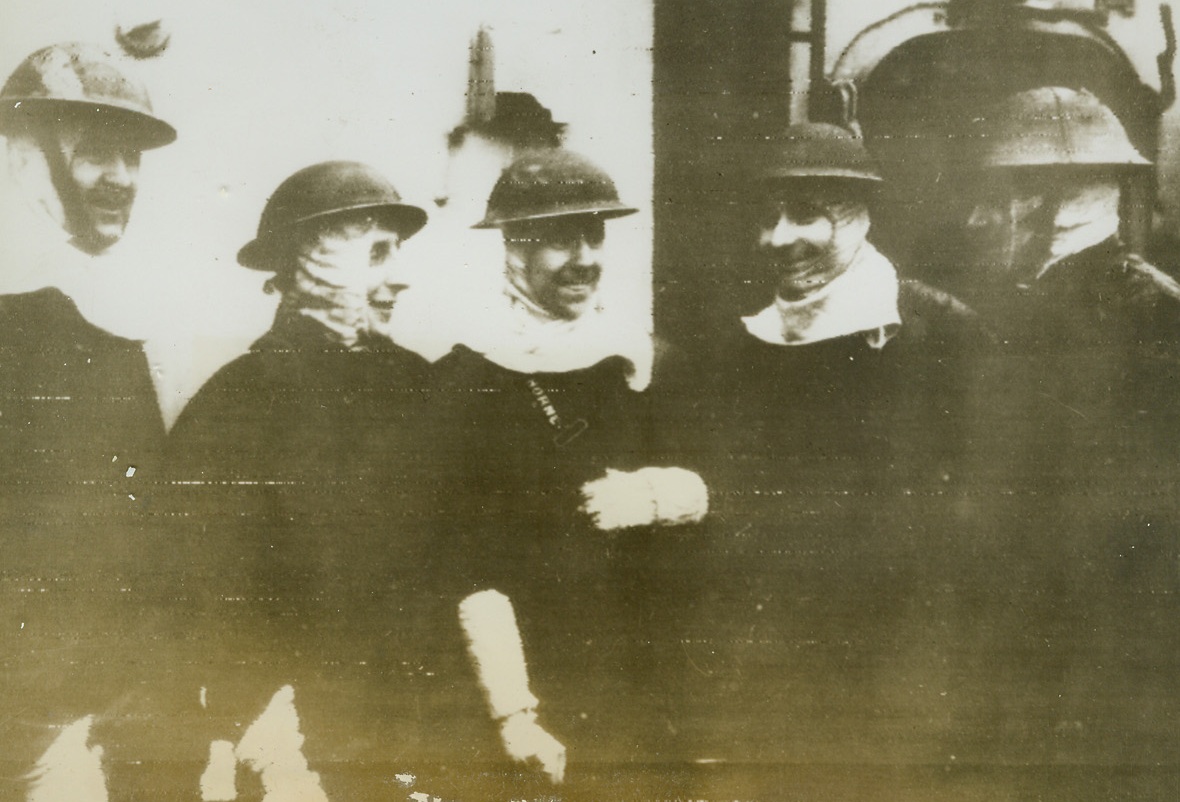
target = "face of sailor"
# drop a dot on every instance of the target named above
(1008, 231)
(561, 259)
(803, 236)
(98, 183)
(353, 260)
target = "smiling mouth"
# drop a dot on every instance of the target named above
(578, 289)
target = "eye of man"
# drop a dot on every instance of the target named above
(800, 211)
(566, 235)
(379, 252)
(100, 149)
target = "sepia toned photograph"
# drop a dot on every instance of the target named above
(609, 400)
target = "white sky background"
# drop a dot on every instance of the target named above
(259, 89)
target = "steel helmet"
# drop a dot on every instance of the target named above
(816, 150)
(80, 78)
(552, 183)
(1052, 125)
(319, 191)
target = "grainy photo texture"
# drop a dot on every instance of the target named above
(615, 400)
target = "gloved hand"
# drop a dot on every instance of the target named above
(526, 741)
(495, 647)
(660, 496)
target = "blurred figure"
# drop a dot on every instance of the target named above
(1075, 429)
(1043, 235)
(1096, 327)
(80, 426)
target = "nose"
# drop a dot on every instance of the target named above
(984, 215)
(585, 253)
(117, 170)
(784, 232)
(387, 291)
(395, 277)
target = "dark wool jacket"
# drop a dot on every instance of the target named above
(77, 408)
(926, 540)
(838, 416)
(306, 494)
(77, 411)
(1088, 372)
(522, 446)
(833, 470)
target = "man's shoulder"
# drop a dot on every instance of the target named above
(49, 314)
(1144, 283)
(928, 312)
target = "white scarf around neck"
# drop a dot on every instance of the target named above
(1086, 216)
(861, 299)
(516, 333)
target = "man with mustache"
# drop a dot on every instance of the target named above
(552, 444)
(80, 425)
(80, 409)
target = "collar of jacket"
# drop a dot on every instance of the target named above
(295, 332)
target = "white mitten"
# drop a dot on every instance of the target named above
(525, 741)
(493, 641)
(661, 496)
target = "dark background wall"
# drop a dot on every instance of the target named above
(721, 77)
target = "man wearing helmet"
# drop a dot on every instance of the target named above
(305, 465)
(1084, 322)
(552, 441)
(330, 235)
(829, 431)
(841, 344)
(76, 124)
(80, 426)
(1076, 416)
(1043, 236)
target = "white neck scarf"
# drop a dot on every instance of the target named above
(861, 299)
(1087, 215)
(516, 333)
(330, 285)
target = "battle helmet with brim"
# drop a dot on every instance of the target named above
(815, 151)
(81, 79)
(1052, 126)
(320, 191)
(552, 183)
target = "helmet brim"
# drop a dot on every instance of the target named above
(144, 130)
(604, 211)
(258, 253)
(838, 173)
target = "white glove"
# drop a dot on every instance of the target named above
(527, 741)
(493, 642)
(661, 496)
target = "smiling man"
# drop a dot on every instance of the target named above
(76, 123)
(304, 466)
(80, 425)
(828, 426)
(552, 444)
(310, 392)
